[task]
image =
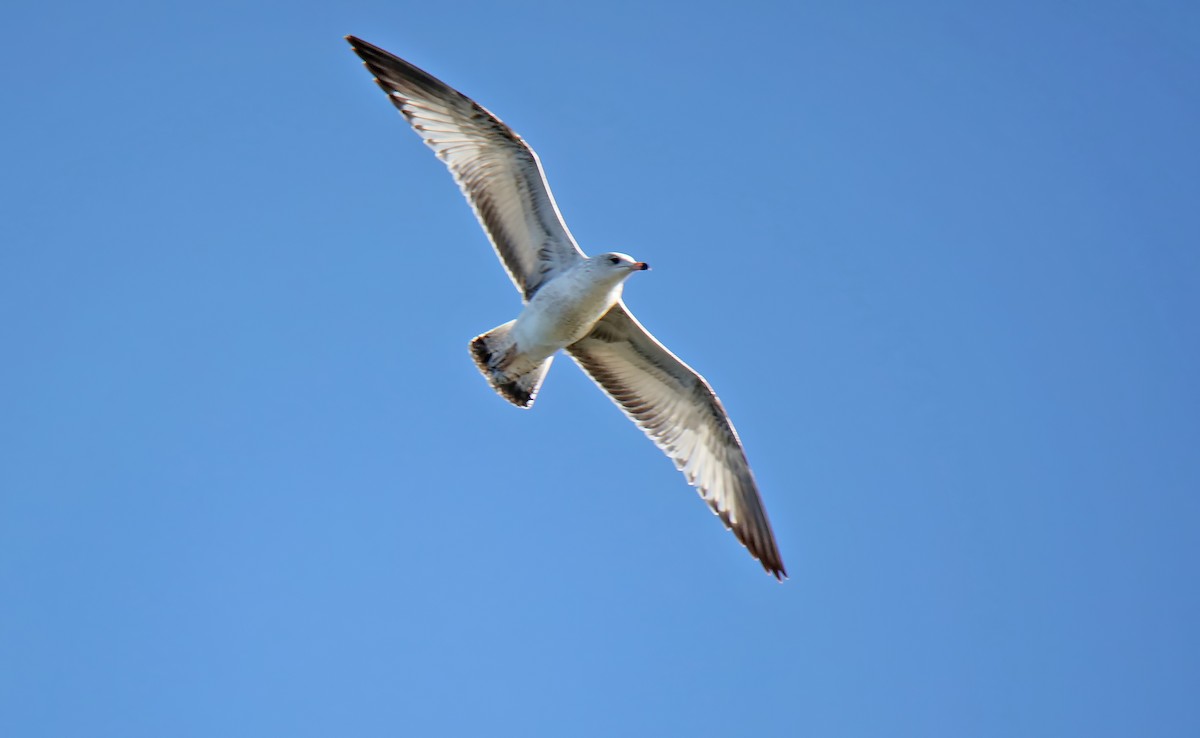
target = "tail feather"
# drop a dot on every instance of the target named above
(516, 378)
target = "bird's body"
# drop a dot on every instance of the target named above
(573, 303)
(568, 306)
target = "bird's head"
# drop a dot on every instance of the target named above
(618, 265)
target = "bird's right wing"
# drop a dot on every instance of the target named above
(499, 174)
(679, 411)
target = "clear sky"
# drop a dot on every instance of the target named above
(940, 261)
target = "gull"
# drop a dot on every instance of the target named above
(573, 302)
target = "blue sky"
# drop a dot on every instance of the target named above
(940, 261)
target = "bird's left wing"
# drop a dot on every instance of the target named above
(499, 174)
(679, 411)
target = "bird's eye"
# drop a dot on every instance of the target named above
(614, 260)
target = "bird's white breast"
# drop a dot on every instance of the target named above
(564, 311)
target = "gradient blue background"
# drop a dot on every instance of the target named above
(939, 260)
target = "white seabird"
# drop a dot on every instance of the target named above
(573, 302)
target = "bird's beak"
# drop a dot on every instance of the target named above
(639, 266)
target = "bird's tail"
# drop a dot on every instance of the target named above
(515, 377)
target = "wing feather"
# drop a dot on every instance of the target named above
(679, 411)
(499, 174)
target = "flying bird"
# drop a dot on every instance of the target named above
(573, 302)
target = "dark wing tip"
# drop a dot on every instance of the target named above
(366, 50)
(767, 555)
(358, 43)
(375, 57)
(755, 535)
(765, 552)
(758, 539)
(402, 80)
(776, 570)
